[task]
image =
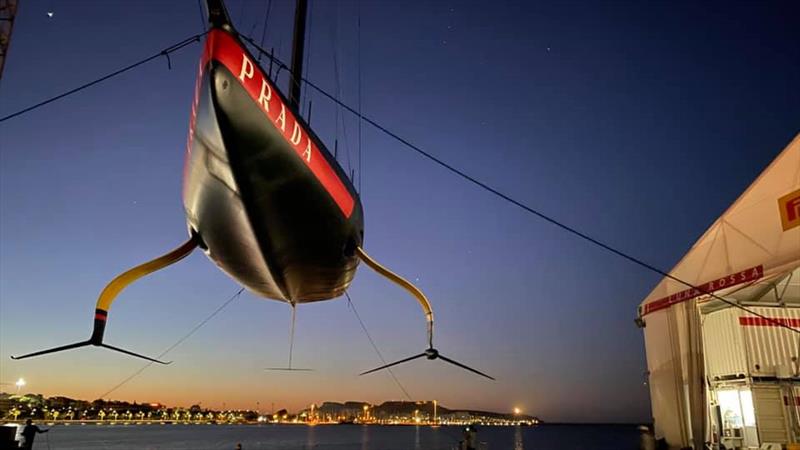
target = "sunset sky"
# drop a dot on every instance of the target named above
(635, 122)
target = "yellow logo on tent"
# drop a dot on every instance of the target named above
(789, 205)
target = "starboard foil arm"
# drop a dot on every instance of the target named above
(405, 284)
(110, 293)
(430, 352)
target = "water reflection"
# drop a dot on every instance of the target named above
(365, 437)
(311, 439)
(518, 438)
(436, 442)
(416, 438)
(334, 437)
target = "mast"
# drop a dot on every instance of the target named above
(218, 15)
(298, 46)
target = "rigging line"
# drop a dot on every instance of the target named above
(529, 209)
(177, 343)
(266, 22)
(291, 333)
(253, 28)
(165, 52)
(346, 144)
(374, 346)
(202, 15)
(334, 31)
(360, 166)
(307, 98)
(241, 13)
(337, 82)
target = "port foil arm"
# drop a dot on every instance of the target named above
(112, 290)
(122, 281)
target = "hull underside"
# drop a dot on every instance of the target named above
(263, 217)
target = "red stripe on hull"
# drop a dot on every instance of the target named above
(224, 48)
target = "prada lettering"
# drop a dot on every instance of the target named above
(248, 75)
(225, 49)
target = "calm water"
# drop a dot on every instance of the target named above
(339, 437)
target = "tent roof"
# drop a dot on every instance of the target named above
(752, 246)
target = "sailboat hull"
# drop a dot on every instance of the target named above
(273, 208)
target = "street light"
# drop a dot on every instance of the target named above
(20, 383)
(517, 411)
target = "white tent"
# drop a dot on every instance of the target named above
(750, 254)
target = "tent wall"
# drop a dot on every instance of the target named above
(753, 242)
(675, 366)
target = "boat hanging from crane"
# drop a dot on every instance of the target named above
(264, 198)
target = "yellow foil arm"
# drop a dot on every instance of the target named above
(123, 280)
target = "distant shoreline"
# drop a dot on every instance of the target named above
(51, 423)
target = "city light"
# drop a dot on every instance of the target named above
(20, 383)
(66, 410)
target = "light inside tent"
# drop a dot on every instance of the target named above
(736, 407)
(731, 408)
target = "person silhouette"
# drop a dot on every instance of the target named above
(29, 432)
(470, 438)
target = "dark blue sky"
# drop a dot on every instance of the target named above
(637, 122)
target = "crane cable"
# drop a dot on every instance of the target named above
(523, 206)
(165, 52)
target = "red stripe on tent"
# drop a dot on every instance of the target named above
(224, 48)
(770, 322)
(745, 276)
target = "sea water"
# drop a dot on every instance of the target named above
(339, 437)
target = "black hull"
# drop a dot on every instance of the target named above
(264, 216)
